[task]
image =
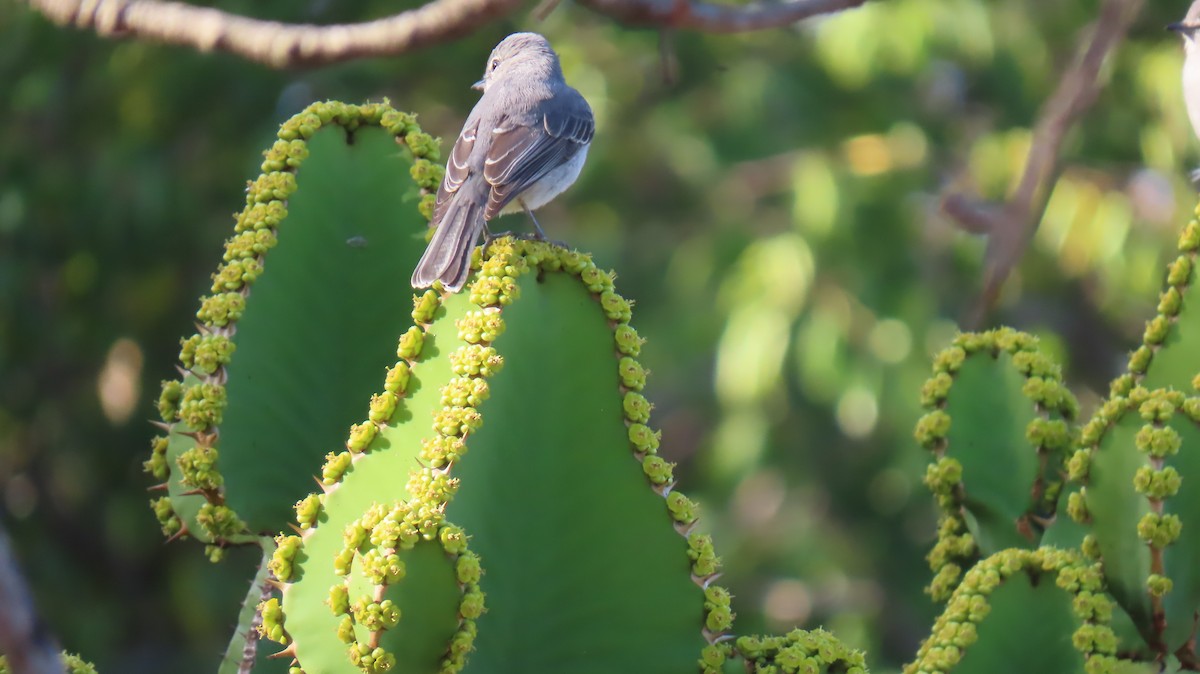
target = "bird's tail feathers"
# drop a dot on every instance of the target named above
(448, 256)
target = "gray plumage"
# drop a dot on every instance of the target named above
(522, 145)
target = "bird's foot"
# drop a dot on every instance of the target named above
(541, 236)
(489, 237)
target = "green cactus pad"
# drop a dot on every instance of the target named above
(1142, 519)
(995, 401)
(268, 386)
(244, 647)
(1167, 358)
(1024, 611)
(521, 399)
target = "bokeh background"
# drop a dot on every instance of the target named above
(772, 210)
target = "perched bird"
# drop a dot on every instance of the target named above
(1191, 67)
(523, 144)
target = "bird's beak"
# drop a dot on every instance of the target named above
(478, 86)
(1178, 27)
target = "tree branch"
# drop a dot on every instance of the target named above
(1010, 227)
(275, 44)
(712, 18)
(24, 640)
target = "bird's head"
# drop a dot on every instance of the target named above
(521, 54)
(1188, 27)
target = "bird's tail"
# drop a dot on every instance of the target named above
(448, 256)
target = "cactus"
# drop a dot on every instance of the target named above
(1127, 553)
(558, 542)
(266, 392)
(471, 482)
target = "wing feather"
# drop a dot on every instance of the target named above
(522, 154)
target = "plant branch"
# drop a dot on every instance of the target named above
(282, 45)
(24, 639)
(1010, 226)
(275, 44)
(713, 18)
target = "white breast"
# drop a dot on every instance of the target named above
(1191, 83)
(551, 185)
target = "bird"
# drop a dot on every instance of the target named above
(523, 144)
(1191, 68)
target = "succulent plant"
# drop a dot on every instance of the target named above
(1123, 558)
(471, 482)
(483, 492)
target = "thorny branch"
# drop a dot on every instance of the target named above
(1009, 227)
(282, 45)
(713, 18)
(278, 45)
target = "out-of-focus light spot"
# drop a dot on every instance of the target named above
(819, 356)
(740, 441)
(908, 145)
(691, 267)
(119, 383)
(890, 340)
(943, 87)
(889, 490)
(1158, 148)
(12, 210)
(776, 272)
(691, 157)
(857, 412)
(997, 161)
(79, 273)
(867, 155)
(903, 147)
(1085, 225)
(750, 354)
(758, 498)
(1152, 197)
(850, 68)
(788, 602)
(816, 194)
(20, 496)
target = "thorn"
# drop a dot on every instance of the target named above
(325, 488)
(182, 372)
(159, 487)
(183, 531)
(685, 529)
(275, 584)
(296, 528)
(161, 425)
(288, 652)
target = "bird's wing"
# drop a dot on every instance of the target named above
(522, 154)
(456, 169)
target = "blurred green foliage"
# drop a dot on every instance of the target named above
(773, 212)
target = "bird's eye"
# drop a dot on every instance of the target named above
(495, 63)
